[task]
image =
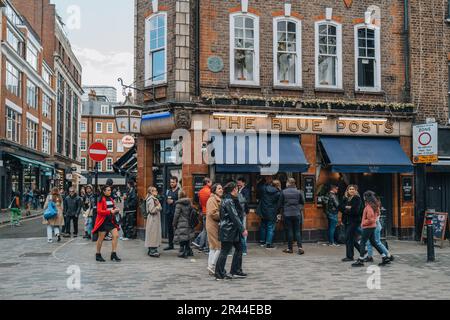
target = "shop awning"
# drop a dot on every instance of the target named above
(33, 163)
(127, 163)
(254, 154)
(365, 155)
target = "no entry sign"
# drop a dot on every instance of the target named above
(98, 152)
(425, 144)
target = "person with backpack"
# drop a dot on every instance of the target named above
(368, 225)
(351, 208)
(14, 207)
(53, 215)
(153, 237)
(105, 222)
(331, 207)
(291, 204)
(184, 231)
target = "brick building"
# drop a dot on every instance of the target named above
(328, 76)
(98, 125)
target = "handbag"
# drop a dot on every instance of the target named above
(194, 219)
(51, 212)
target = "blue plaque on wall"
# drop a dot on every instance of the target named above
(215, 64)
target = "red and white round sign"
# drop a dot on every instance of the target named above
(128, 142)
(98, 152)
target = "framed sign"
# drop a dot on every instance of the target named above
(440, 221)
(198, 185)
(407, 189)
(309, 187)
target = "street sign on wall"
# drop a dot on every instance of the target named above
(425, 143)
(97, 152)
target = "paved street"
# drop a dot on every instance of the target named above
(32, 269)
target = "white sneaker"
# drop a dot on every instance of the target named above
(211, 271)
(124, 239)
(50, 240)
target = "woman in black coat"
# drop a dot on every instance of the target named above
(351, 208)
(184, 232)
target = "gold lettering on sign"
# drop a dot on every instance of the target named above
(276, 124)
(341, 125)
(234, 121)
(317, 125)
(365, 127)
(353, 126)
(219, 121)
(302, 124)
(249, 123)
(377, 125)
(288, 126)
(389, 128)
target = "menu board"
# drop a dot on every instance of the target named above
(407, 189)
(309, 186)
(159, 181)
(440, 221)
(198, 185)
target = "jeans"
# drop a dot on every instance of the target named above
(378, 241)
(351, 231)
(244, 239)
(170, 230)
(236, 264)
(50, 230)
(332, 224)
(292, 227)
(212, 258)
(368, 234)
(75, 224)
(202, 238)
(266, 231)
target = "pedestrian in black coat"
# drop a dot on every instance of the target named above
(351, 208)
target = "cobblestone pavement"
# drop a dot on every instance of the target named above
(32, 269)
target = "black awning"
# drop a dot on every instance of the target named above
(127, 163)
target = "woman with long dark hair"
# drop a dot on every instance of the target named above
(351, 208)
(105, 223)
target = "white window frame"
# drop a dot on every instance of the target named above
(32, 101)
(46, 140)
(110, 125)
(298, 72)
(16, 123)
(148, 61)
(32, 134)
(110, 141)
(13, 88)
(83, 160)
(100, 166)
(256, 69)
(377, 82)
(46, 106)
(17, 43)
(81, 144)
(96, 127)
(107, 164)
(120, 147)
(104, 109)
(32, 55)
(339, 76)
(99, 140)
(83, 127)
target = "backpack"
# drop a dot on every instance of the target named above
(194, 219)
(143, 208)
(51, 212)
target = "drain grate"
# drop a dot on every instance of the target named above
(8, 265)
(35, 254)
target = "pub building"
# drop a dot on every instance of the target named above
(214, 69)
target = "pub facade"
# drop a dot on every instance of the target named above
(315, 90)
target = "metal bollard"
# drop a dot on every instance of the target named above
(430, 238)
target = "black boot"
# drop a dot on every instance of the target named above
(114, 257)
(358, 263)
(99, 258)
(190, 253)
(385, 261)
(183, 253)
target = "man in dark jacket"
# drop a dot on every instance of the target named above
(230, 232)
(291, 202)
(129, 212)
(170, 199)
(72, 209)
(331, 206)
(267, 210)
(244, 199)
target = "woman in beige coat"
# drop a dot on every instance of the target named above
(212, 225)
(54, 224)
(153, 225)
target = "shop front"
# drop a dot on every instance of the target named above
(315, 150)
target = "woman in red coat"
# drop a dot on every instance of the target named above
(105, 223)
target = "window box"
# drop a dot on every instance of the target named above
(251, 102)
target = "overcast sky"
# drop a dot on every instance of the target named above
(101, 33)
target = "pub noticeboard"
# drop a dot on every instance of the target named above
(440, 221)
(309, 187)
(198, 185)
(407, 189)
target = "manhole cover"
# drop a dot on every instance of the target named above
(8, 265)
(35, 254)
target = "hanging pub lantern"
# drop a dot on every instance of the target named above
(128, 117)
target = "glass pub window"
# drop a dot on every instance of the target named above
(158, 48)
(328, 58)
(244, 48)
(287, 52)
(366, 58)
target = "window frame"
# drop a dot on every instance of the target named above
(148, 51)
(83, 127)
(81, 144)
(31, 48)
(16, 123)
(299, 69)
(112, 145)
(35, 102)
(32, 134)
(8, 76)
(46, 140)
(106, 164)
(108, 124)
(47, 103)
(339, 64)
(256, 48)
(96, 127)
(377, 80)
(83, 165)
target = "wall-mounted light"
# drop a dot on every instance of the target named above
(363, 119)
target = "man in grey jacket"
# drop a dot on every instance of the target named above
(292, 202)
(72, 210)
